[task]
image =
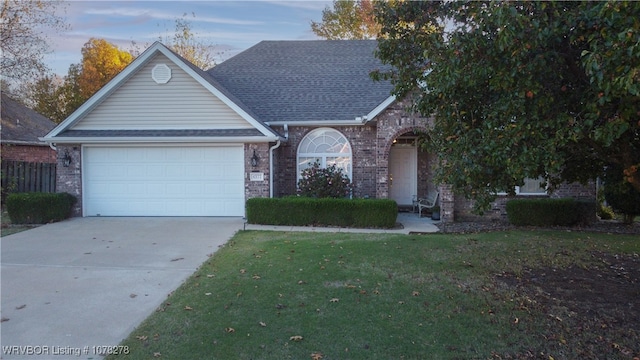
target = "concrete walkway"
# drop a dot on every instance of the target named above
(410, 223)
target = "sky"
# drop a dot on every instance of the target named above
(232, 26)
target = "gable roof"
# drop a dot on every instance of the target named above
(307, 81)
(21, 125)
(65, 132)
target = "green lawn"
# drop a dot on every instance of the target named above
(289, 295)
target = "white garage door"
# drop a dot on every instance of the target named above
(163, 181)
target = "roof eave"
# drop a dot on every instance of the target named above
(161, 139)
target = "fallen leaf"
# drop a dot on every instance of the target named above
(132, 295)
(334, 300)
(207, 294)
(141, 337)
(242, 271)
(415, 293)
(256, 277)
(4, 319)
(156, 354)
(229, 329)
(262, 324)
(363, 292)
(316, 356)
(516, 321)
(296, 338)
(210, 275)
(301, 282)
(21, 307)
(188, 308)
(177, 259)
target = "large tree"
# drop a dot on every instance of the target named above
(24, 40)
(186, 43)
(101, 61)
(519, 89)
(347, 20)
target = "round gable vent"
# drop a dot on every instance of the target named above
(161, 74)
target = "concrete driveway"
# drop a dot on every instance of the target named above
(71, 286)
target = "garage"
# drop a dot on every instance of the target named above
(178, 180)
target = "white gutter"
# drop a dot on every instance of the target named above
(356, 121)
(161, 139)
(271, 149)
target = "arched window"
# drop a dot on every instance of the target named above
(326, 146)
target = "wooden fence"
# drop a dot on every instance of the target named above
(18, 176)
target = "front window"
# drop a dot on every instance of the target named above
(532, 187)
(327, 147)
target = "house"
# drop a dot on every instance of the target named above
(165, 138)
(21, 130)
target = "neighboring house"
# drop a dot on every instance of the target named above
(165, 138)
(20, 133)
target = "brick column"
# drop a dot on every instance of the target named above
(69, 179)
(447, 203)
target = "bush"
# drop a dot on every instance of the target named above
(305, 211)
(39, 208)
(621, 195)
(326, 182)
(550, 212)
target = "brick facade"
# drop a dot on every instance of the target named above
(254, 188)
(28, 153)
(70, 178)
(370, 146)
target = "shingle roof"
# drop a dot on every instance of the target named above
(21, 124)
(305, 80)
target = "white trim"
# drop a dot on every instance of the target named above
(160, 139)
(380, 108)
(324, 156)
(129, 71)
(316, 123)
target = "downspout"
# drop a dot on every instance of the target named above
(53, 147)
(271, 149)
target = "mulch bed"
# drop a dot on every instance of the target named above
(609, 226)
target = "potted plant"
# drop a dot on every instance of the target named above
(435, 213)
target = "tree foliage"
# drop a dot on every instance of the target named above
(347, 20)
(57, 99)
(101, 62)
(519, 89)
(25, 24)
(185, 43)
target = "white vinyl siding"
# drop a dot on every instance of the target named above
(163, 180)
(142, 104)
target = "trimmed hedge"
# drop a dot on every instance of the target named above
(550, 212)
(305, 211)
(39, 208)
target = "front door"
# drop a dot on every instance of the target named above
(403, 173)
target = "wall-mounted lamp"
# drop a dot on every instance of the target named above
(66, 160)
(254, 159)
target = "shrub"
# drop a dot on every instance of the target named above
(550, 212)
(621, 195)
(39, 208)
(305, 211)
(327, 182)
